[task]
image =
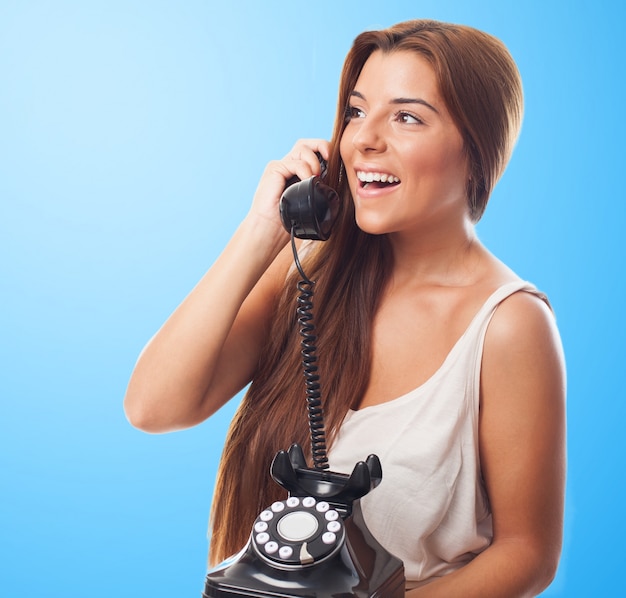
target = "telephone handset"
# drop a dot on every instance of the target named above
(309, 207)
(315, 543)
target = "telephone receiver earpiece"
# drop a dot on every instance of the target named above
(309, 207)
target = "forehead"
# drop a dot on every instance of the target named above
(400, 73)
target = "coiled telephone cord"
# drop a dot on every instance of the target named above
(309, 365)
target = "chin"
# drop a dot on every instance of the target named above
(372, 226)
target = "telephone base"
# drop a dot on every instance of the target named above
(362, 569)
(315, 543)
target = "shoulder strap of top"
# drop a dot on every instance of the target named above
(475, 334)
(483, 317)
(502, 293)
(508, 289)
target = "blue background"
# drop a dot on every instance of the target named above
(132, 135)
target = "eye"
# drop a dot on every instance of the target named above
(408, 118)
(353, 112)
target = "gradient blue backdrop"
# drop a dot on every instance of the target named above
(132, 134)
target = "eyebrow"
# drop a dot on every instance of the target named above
(401, 101)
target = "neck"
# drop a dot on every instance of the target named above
(447, 255)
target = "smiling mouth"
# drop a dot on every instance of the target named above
(377, 180)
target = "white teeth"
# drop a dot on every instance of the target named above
(381, 177)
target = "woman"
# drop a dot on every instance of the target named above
(432, 353)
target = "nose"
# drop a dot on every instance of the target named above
(369, 136)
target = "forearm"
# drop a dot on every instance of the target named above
(169, 386)
(508, 569)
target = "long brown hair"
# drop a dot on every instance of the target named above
(482, 89)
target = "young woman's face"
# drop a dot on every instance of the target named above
(403, 155)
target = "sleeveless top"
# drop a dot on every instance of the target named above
(431, 509)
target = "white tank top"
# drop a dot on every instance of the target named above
(431, 508)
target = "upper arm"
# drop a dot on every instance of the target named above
(240, 353)
(522, 425)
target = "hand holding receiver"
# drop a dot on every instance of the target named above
(301, 163)
(309, 207)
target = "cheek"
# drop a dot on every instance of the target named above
(445, 164)
(454, 157)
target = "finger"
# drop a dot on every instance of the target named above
(304, 147)
(307, 153)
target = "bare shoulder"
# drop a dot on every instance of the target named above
(523, 368)
(522, 322)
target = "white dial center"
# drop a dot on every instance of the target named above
(297, 526)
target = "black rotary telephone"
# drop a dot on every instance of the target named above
(315, 543)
